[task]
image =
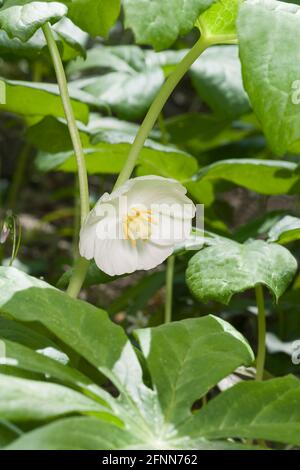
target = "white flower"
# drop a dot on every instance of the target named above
(137, 226)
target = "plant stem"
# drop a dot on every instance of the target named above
(17, 181)
(76, 225)
(73, 129)
(157, 106)
(261, 352)
(169, 288)
(81, 266)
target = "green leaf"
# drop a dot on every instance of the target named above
(263, 176)
(29, 337)
(96, 17)
(15, 47)
(26, 400)
(75, 434)
(160, 22)
(285, 230)
(84, 327)
(219, 21)
(8, 432)
(91, 434)
(197, 133)
(73, 39)
(269, 39)
(217, 78)
(222, 270)
(129, 84)
(39, 99)
(71, 42)
(178, 372)
(22, 18)
(266, 410)
(41, 362)
(107, 150)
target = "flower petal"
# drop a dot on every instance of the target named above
(116, 257)
(151, 254)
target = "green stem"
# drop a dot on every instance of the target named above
(37, 72)
(14, 190)
(157, 107)
(76, 220)
(169, 289)
(73, 129)
(261, 353)
(81, 266)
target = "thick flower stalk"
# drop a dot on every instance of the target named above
(137, 226)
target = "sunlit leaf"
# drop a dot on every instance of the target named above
(227, 268)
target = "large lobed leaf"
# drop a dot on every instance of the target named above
(185, 360)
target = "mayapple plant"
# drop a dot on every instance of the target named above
(166, 390)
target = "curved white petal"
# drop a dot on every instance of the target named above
(116, 257)
(157, 190)
(151, 254)
(87, 240)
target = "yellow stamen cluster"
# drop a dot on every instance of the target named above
(137, 225)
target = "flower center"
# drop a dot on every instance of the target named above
(137, 225)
